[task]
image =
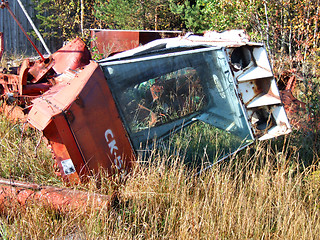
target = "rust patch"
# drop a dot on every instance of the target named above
(262, 87)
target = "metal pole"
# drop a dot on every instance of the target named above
(34, 27)
(82, 15)
(1, 45)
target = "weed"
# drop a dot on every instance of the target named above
(261, 193)
(21, 155)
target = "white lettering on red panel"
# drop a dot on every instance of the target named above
(112, 144)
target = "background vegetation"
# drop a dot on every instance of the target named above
(287, 26)
(269, 191)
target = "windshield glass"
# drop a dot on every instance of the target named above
(166, 95)
(163, 99)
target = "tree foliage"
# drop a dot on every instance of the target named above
(137, 14)
(294, 25)
(193, 13)
(287, 26)
(62, 19)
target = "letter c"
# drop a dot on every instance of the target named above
(108, 132)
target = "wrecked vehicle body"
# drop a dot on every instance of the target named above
(202, 97)
(20, 85)
(214, 93)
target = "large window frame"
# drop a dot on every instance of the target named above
(223, 108)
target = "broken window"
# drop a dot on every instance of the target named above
(185, 99)
(163, 99)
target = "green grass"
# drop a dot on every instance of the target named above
(264, 192)
(24, 154)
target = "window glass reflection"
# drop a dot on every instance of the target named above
(173, 96)
(163, 99)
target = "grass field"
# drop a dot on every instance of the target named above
(271, 190)
(268, 191)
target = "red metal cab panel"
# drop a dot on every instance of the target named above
(92, 123)
(97, 127)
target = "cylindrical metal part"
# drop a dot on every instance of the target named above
(61, 199)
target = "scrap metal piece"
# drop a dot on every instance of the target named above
(249, 68)
(71, 56)
(81, 122)
(13, 193)
(98, 119)
(109, 42)
(40, 68)
(34, 77)
(296, 110)
(258, 91)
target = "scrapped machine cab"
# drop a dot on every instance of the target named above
(199, 97)
(201, 100)
(184, 99)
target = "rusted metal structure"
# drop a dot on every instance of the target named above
(80, 119)
(21, 194)
(19, 85)
(200, 90)
(109, 42)
(103, 114)
(100, 115)
(295, 109)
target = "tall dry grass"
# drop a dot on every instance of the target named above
(261, 193)
(24, 154)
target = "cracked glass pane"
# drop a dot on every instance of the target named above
(185, 99)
